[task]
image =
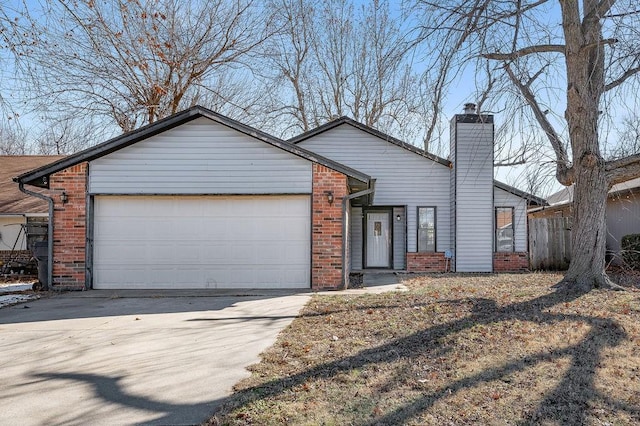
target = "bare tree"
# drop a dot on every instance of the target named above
(13, 141)
(339, 57)
(288, 60)
(65, 136)
(12, 63)
(136, 61)
(558, 54)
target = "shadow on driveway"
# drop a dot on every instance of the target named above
(82, 359)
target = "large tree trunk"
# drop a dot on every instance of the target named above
(589, 233)
(584, 53)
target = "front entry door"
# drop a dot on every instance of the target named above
(378, 240)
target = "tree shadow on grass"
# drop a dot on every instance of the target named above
(568, 402)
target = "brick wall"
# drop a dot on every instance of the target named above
(435, 262)
(511, 262)
(326, 241)
(69, 226)
(426, 262)
(23, 256)
(18, 262)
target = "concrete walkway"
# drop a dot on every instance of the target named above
(106, 359)
(380, 282)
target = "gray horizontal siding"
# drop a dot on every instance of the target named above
(474, 197)
(623, 218)
(200, 157)
(452, 191)
(399, 239)
(402, 177)
(502, 198)
(356, 238)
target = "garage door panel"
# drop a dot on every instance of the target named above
(201, 242)
(187, 254)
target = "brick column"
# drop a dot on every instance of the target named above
(69, 226)
(326, 241)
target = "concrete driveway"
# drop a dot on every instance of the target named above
(153, 358)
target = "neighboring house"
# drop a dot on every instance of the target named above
(198, 200)
(19, 211)
(623, 212)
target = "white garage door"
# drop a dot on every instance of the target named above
(154, 242)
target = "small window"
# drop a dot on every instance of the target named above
(504, 229)
(426, 229)
(377, 228)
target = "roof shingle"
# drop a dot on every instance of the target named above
(12, 200)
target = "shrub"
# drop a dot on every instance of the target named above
(631, 250)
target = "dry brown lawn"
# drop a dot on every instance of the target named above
(455, 349)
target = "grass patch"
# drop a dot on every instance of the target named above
(455, 349)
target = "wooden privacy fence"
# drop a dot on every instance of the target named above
(550, 243)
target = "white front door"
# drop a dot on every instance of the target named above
(378, 240)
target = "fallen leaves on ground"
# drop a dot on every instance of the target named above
(455, 349)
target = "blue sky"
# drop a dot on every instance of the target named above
(461, 90)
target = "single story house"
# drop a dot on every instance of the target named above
(18, 211)
(198, 200)
(623, 212)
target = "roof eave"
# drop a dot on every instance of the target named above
(111, 145)
(38, 177)
(520, 193)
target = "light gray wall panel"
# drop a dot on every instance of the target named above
(474, 196)
(356, 238)
(11, 235)
(502, 198)
(200, 157)
(452, 194)
(623, 218)
(399, 238)
(346, 266)
(402, 177)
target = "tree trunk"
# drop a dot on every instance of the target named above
(584, 53)
(589, 233)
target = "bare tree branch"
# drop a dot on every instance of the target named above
(623, 169)
(622, 15)
(529, 50)
(564, 172)
(509, 163)
(617, 82)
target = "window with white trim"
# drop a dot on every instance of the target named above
(426, 229)
(504, 229)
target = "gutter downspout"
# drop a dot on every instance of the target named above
(49, 200)
(345, 201)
